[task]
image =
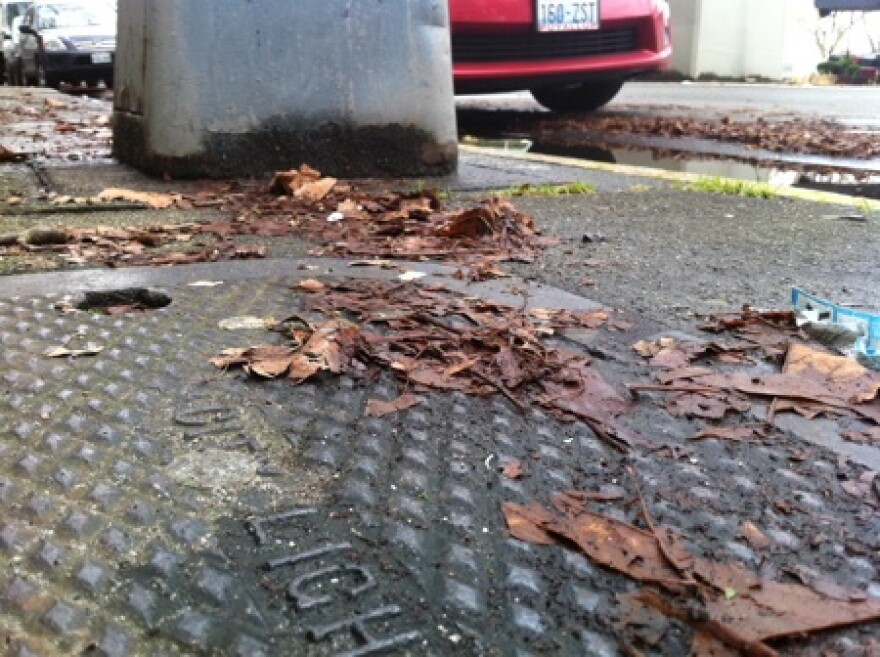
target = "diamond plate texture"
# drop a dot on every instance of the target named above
(153, 505)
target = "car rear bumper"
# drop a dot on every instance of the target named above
(77, 66)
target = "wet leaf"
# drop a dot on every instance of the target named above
(867, 437)
(794, 135)
(152, 200)
(646, 349)
(312, 192)
(844, 376)
(421, 338)
(378, 408)
(754, 536)
(525, 523)
(733, 434)
(513, 469)
(709, 407)
(311, 286)
(288, 182)
(730, 608)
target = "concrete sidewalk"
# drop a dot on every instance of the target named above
(151, 504)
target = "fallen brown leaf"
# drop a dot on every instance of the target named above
(754, 536)
(513, 470)
(734, 434)
(378, 408)
(525, 523)
(312, 192)
(731, 609)
(311, 286)
(152, 200)
(867, 437)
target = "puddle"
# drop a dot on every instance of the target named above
(510, 145)
(864, 184)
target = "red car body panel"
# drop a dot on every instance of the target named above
(650, 49)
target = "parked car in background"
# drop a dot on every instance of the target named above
(573, 55)
(849, 69)
(10, 18)
(869, 67)
(68, 41)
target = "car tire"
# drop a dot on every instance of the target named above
(582, 97)
(47, 79)
(15, 76)
(27, 80)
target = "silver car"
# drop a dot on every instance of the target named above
(68, 41)
(11, 15)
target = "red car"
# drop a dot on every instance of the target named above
(573, 55)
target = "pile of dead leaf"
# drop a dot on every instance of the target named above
(772, 362)
(153, 245)
(730, 610)
(791, 136)
(434, 340)
(340, 218)
(811, 380)
(349, 222)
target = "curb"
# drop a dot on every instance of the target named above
(512, 290)
(811, 195)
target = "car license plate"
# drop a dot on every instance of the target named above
(566, 15)
(101, 58)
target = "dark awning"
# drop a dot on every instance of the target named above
(847, 5)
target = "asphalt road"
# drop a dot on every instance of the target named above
(851, 105)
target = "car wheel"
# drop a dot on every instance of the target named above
(48, 79)
(583, 97)
(45, 79)
(27, 80)
(15, 76)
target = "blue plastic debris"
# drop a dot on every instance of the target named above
(866, 325)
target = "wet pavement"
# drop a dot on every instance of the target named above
(151, 504)
(851, 105)
(516, 116)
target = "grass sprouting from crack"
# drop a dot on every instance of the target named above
(730, 187)
(568, 189)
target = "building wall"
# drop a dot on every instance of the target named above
(744, 38)
(721, 38)
(685, 30)
(802, 55)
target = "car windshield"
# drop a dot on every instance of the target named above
(13, 10)
(76, 15)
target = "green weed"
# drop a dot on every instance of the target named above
(728, 186)
(548, 190)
